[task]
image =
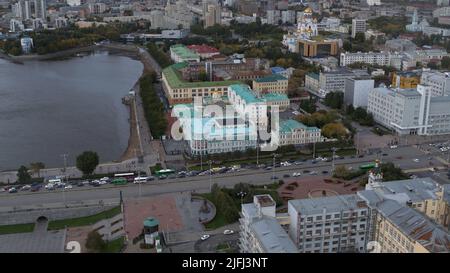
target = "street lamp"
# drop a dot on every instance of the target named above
(210, 176)
(242, 194)
(332, 162)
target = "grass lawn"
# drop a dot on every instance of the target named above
(83, 221)
(114, 246)
(19, 228)
(219, 220)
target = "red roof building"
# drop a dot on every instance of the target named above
(205, 51)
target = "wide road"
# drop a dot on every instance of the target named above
(202, 183)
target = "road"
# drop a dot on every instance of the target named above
(202, 183)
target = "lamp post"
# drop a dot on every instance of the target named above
(242, 194)
(210, 176)
(65, 176)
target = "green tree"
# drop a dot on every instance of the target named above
(36, 167)
(95, 242)
(23, 176)
(87, 162)
(391, 172)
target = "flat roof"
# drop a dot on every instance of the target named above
(289, 125)
(184, 52)
(271, 78)
(330, 204)
(265, 200)
(244, 91)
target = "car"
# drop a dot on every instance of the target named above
(95, 184)
(296, 174)
(324, 172)
(360, 156)
(324, 159)
(416, 160)
(80, 184)
(286, 175)
(384, 154)
(298, 162)
(313, 173)
(204, 237)
(86, 182)
(306, 171)
(393, 146)
(268, 168)
(102, 182)
(274, 177)
(12, 190)
(26, 187)
(228, 232)
(68, 187)
(2, 190)
(314, 161)
(162, 177)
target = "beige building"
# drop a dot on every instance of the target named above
(274, 83)
(178, 90)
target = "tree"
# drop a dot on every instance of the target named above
(22, 175)
(445, 62)
(391, 172)
(341, 171)
(334, 130)
(95, 242)
(36, 167)
(87, 162)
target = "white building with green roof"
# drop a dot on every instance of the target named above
(180, 53)
(293, 132)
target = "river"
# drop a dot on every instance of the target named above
(51, 108)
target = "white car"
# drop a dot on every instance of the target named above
(68, 187)
(296, 174)
(228, 231)
(204, 237)
(102, 182)
(393, 146)
(106, 179)
(313, 173)
(416, 160)
(26, 187)
(2, 190)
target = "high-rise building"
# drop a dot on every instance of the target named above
(40, 9)
(16, 25)
(438, 81)
(358, 26)
(212, 13)
(26, 44)
(357, 91)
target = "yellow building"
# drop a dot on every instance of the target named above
(274, 83)
(178, 90)
(318, 47)
(405, 80)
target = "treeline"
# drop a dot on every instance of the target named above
(50, 41)
(153, 107)
(160, 57)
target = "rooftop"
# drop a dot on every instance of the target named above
(245, 93)
(264, 200)
(201, 49)
(289, 125)
(271, 78)
(175, 80)
(416, 226)
(272, 236)
(184, 52)
(329, 204)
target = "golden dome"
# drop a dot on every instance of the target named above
(308, 10)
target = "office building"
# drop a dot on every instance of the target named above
(439, 82)
(329, 224)
(358, 26)
(357, 91)
(410, 111)
(372, 58)
(212, 13)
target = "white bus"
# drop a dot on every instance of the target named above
(140, 179)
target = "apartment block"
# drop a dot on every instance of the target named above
(357, 91)
(329, 224)
(260, 232)
(358, 26)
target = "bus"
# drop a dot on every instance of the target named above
(142, 179)
(119, 181)
(164, 172)
(128, 176)
(367, 166)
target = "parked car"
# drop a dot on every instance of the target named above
(296, 174)
(274, 177)
(26, 187)
(228, 231)
(204, 237)
(286, 175)
(68, 187)
(313, 173)
(12, 190)
(416, 160)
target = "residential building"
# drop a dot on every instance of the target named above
(312, 82)
(438, 81)
(329, 224)
(61, 22)
(211, 13)
(357, 91)
(401, 229)
(375, 34)
(372, 58)
(40, 8)
(358, 26)
(274, 83)
(97, 8)
(273, 17)
(27, 44)
(16, 25)
(288, 16)
(180, 53)
(260, 232)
